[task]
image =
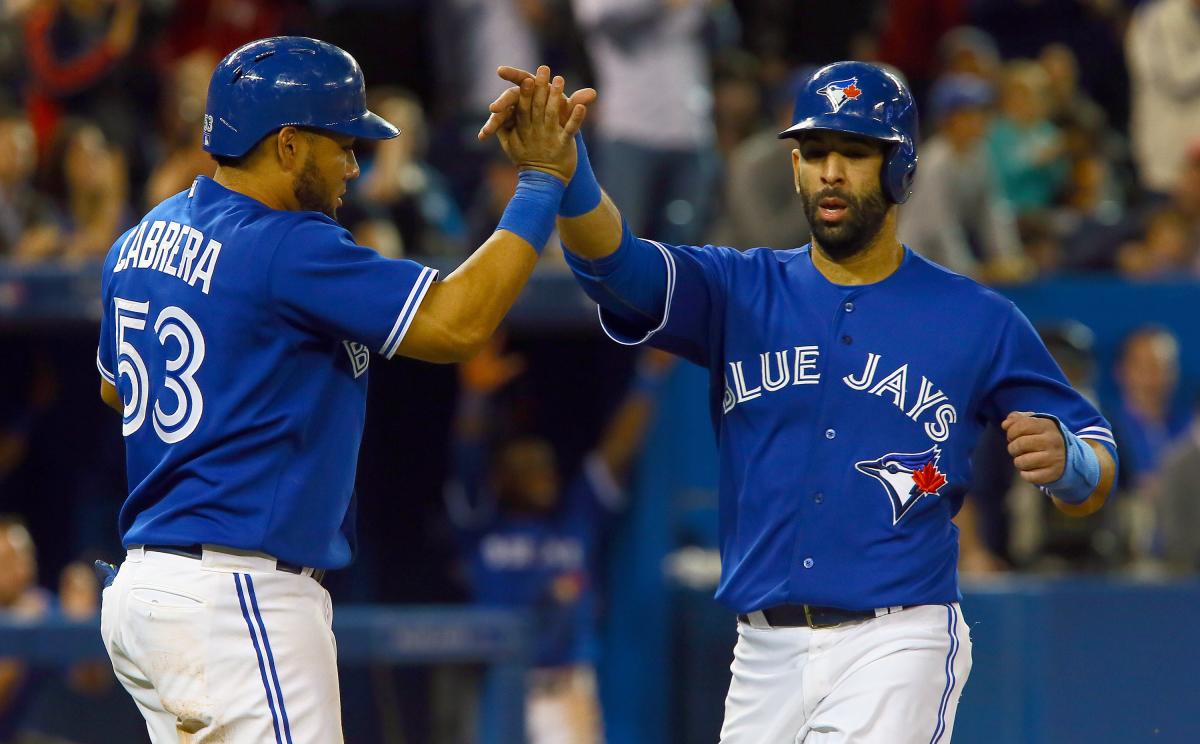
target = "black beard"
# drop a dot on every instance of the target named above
(308, 191)
(863, 220)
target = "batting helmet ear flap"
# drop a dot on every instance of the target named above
(899, 170)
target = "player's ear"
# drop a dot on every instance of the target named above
(796, 169)
(290, 144)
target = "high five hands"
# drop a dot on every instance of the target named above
(504, 107)
(541, 133)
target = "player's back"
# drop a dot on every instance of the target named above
(242, 415)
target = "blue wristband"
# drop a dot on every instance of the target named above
(530, 211)
(583, 192)
(1081, 474)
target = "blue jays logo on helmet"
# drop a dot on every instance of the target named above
(840, 91)
(906, 477)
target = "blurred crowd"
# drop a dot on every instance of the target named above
(1058, 137)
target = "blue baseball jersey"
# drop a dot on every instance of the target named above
(239, 337)
(845, 417)
(543, 563)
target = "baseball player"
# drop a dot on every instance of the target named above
(239, 322)
(850, 379)
(533, 540)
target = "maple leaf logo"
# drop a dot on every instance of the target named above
(929, 479)
(852, 91)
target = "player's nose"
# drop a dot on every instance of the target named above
(833, 169)
(352, 170)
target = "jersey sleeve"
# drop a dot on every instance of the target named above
(1024, 377)
(322, 280)
(695, 304)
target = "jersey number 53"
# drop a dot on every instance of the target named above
(178, 384)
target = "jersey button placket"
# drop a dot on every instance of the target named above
(808, 563)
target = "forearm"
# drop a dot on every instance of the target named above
(595, 234)
(460, 312)
(468, 449)
(626, 431)
(589, 224)
(1108, 478)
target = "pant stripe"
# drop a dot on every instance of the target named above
(952, 629)
(287, 728)
(262, 669)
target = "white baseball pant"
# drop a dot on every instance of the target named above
(223, 649)
(895, 679)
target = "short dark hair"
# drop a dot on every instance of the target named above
(225, 161)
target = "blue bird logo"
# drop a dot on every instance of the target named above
(906, 477)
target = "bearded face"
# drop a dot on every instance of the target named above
(838, 178)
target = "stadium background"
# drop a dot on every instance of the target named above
(1081, 639)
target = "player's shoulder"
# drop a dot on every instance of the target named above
(307, 228)
(748, 257)
(161, 211)
(965, 292)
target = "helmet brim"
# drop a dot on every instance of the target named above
(859, 125)
(368, 126)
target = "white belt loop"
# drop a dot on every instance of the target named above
(135, 554)
(758, 619)
(881, 611)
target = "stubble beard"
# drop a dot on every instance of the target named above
(308, 191)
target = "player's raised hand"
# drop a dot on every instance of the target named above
(1036, 446)
(540, 139)
(503, 108)
(490, 369)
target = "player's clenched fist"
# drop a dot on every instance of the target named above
(1036, 446)
(539, 139)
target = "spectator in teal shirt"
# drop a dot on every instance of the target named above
(1025, 147)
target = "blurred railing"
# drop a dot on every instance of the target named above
(366, 635)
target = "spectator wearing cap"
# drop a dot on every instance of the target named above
(967, 50)
(957, 216)
(1161, 45)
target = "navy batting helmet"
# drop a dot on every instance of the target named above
(863, 99)
(286, 81)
